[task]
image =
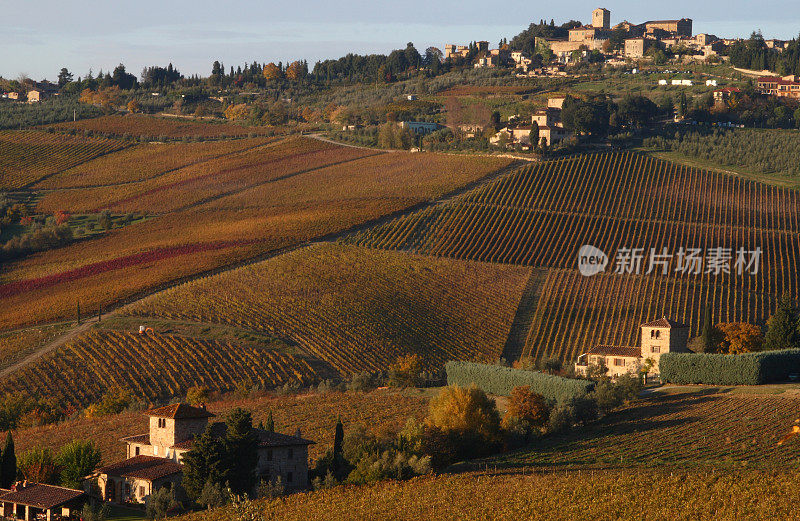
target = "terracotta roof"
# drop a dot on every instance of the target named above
(266, 438)
(139, 438)
(665, 322)
(179, 411)
(616, 351)
(41, 496)
(276, 439)
(142, 467)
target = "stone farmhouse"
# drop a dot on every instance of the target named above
(154, 458)
(551, 129)
(658, 337)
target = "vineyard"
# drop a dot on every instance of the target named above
(685, 429)
(143, 162)
(552, 496)
(541, 215)
(216, 177)
(358, 310)
(152, 367)
(30, 156)
(158, 128)
(213, 213)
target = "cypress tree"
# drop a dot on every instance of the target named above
(8, 465)
(270, 423)
(782, 326)
(707, 334)
(338, 442)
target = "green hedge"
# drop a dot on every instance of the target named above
(496, 379)
(715, 369)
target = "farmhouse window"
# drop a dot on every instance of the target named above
(619, 362)
(655, 349)
(141, 491)
(136, 450)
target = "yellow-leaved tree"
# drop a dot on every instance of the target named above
(464, 410)
(740, 337)
(296, 71)
(272, 72)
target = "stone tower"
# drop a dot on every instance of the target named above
(601, 18)
(663, 336)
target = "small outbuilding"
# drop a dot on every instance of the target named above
(31, 501)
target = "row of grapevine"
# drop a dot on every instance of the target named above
(357, 310)
(29, 156)
(153, 367)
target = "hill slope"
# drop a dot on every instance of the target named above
(540, 216)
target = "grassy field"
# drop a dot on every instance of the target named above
(606, 495)
(541, 215)
(315, 414)
(358, 309)
(216, 211)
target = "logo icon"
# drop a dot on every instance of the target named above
(591, 260)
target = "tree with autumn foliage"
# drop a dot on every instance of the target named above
(237, 112)
(528, 406)
(38, 465)
(740, 337)
(462, 423)
(406, 371)
(133, 106)
(297, 71)
(272, 72)
(464, 410)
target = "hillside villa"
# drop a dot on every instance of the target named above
(551, 128)
(154, 458)
(658, 337)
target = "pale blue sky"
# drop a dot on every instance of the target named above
(45, 35)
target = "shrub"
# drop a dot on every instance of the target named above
(114, 401)
(501, 380)
(197, 394)
(364, 382)
(719, 369)
(528, 406)
(406, 371)
(573, 411)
